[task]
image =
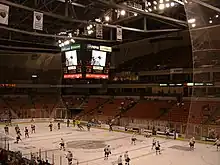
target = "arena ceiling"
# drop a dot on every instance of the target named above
(76, 20)
(64, 19)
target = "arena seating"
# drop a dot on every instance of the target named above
(196, 112)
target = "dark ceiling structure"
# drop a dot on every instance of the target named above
(76, 19)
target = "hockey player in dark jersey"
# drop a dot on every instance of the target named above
(58, 125)
(32, 128)
(26, 132)
(62, 145)
(6, 130)
(51, 126)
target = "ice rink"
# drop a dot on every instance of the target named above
(87, 147)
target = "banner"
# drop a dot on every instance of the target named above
(4, 11)
(119, 34)
(99, 31)
(38, 21)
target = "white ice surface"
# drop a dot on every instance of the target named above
(140, 154)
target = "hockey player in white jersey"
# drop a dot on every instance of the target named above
(120, 160)
(107, 151)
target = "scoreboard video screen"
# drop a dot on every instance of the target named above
(86, 61)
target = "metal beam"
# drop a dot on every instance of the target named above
(28, 48)
(54, 36)
(151, 15)
(207, 5)
(68, 19)
(74, 4)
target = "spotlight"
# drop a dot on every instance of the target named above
(155, 7)
(72, 40)
(192, 20)
(90, 32)
(98, 20)
(210, 21)
(161, 6)
(59, 41)
(149, 4)
(155, 2)
(67, 42)
(150, 10)
(62, 44)
(123, 12)
(161, 1)
(135, 14)
(167, 5)
(107, 18)
(217, 16)
(172, 4)
(90, 26)
(193, 25)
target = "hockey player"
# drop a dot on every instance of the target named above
(74, 122)
(51, 126)
(69, 157)
(18, 138)
(6, 130)
(127, 159)
(157, 147)
(58, 125)
(107, 151)
(217, 143)
(17, 129)
(79, 125)
(133, 139)
(192, 143)
(32, 128)
(62, 145)
(110, 127)
(153, 143)
(120, 160)
(167, 132)
(89, 126)
(68, 123)
(26, 133)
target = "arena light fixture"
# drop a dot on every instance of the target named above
(172, 4)
(107, 18)
(155, 2)
(59, 42)
(67, 42)
(192, 20)
(135, 14)
(167, 5)
(210, 21)
(150, 10)
(216, 16)
(161, 1)
(149, 4)
(98, 20)
(155, 7)
(72, 40)
(167, 0)
(90, 32)
(193, 25)
(62, 44)
(88, 28)
(123, 12)
(161, 6)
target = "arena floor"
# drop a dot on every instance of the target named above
(87, 147)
